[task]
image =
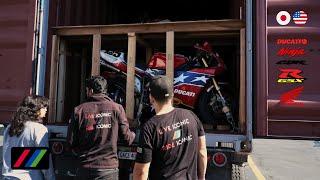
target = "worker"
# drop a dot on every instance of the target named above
(93, 132)
(172, 144)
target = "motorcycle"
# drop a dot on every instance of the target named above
(195, 84)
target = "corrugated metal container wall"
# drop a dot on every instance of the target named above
(301, 116)
(81, 12)
(16, 49)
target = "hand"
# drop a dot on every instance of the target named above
(132, 123)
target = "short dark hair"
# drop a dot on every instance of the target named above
(98, 84)
(160, 89)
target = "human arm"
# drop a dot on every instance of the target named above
(202, 158)
(124, 129)
(202, 150)
(73, 131)
(141, 171)
(144, 154)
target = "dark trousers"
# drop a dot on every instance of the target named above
(97, 174)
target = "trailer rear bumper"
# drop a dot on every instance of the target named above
(238, 143)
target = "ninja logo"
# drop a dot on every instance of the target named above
(291, 52)
(290, 62)
(290, 76)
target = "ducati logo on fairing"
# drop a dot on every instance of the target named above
(290, 76)
(185, 93)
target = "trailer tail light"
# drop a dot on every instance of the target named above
(57, 148)
(219, 159)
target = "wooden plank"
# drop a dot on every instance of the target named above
(53, 78)
(193, 35)
(183, 26)
(130, 75)
(96, 47)
(242, 100)
(170, 56)
(61, 79)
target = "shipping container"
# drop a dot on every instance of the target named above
(79, 47)
(300, 119)
(17, 32)
(270, 54)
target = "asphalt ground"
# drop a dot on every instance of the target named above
(278, 159)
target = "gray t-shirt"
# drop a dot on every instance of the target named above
(34, 135)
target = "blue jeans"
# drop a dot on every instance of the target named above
(98, 174)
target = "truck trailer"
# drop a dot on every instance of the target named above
(51, 47)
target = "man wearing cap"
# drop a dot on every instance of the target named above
(93, 132)
(172, 143)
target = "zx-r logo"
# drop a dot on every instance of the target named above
(290, 76)
(289, 62)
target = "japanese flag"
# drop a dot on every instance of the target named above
(283, 18)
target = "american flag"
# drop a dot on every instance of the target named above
(300, 17)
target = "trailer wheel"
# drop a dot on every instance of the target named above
(237, 172)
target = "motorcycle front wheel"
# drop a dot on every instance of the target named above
(117, 92)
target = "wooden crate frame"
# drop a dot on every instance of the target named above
(170, 28)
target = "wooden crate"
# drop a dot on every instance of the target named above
(222, 27)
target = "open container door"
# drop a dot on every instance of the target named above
(293, 69)
(63, 49)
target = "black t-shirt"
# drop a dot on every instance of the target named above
(170, 142)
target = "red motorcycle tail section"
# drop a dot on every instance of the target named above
(209, 71)
(158, 61)
(205, 47)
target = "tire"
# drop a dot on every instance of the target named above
(237, 172)
(206, 112)
(117, 92)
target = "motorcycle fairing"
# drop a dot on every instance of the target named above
(112, 57)
(158, 61)
(188, 85)
(117, 59)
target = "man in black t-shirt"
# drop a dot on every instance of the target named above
(172, 143)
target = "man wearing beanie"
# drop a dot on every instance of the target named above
(172, 143)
